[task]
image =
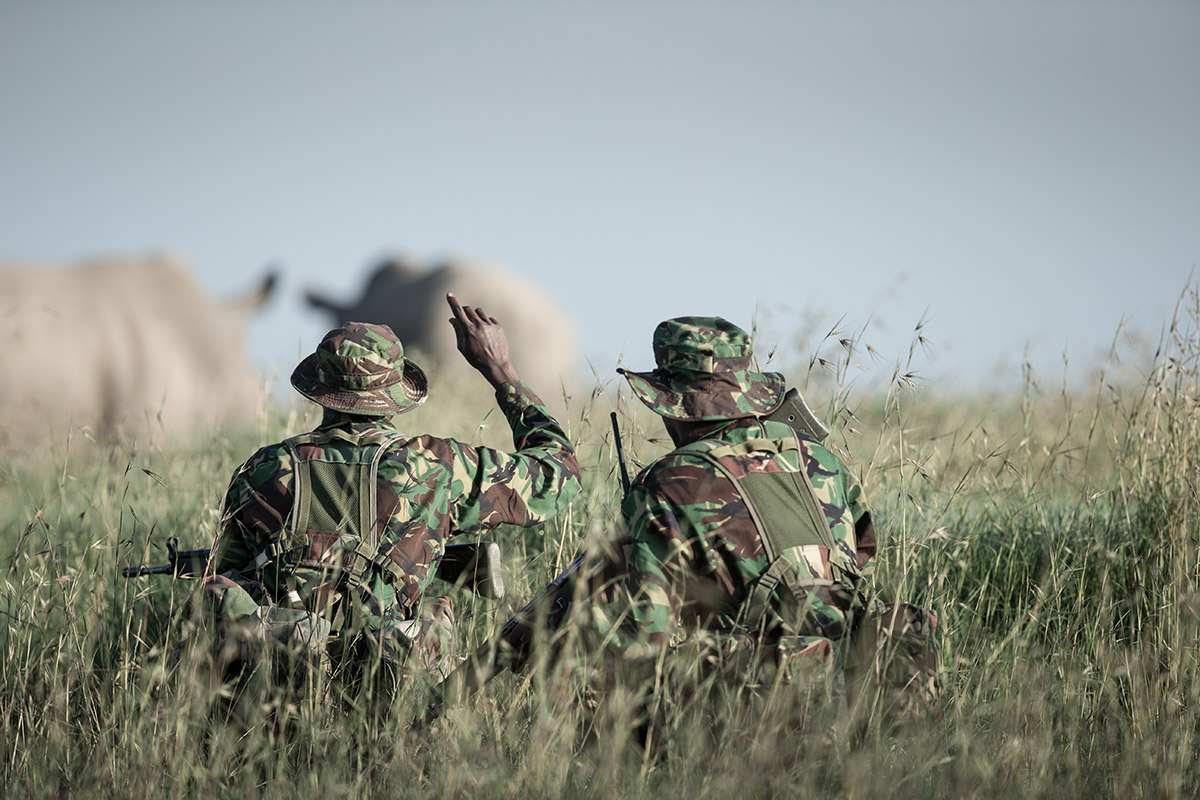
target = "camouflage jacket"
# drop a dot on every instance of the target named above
(429, 489)
(694, 553)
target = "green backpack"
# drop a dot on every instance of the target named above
(331, 532)
(795, 534)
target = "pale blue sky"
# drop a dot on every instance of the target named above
(1024, 174)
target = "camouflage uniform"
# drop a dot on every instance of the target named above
(694, 552)
(368, 588)
(696, 557)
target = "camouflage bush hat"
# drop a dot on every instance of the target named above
(360, 368)
(704, 373)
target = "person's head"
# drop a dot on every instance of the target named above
(704, 375)
(360, 369)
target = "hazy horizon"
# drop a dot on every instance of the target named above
(1023, 177)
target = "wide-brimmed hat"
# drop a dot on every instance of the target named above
(360, 368)
(705, 372)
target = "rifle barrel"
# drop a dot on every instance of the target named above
(137, 572)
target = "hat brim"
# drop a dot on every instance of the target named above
(708, 396)
(406, 393)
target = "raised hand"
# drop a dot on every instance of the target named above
(482, 342)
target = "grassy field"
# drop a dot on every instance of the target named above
(1055, 531)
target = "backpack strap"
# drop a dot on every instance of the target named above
(366, 552)
(320, 487)
(788, 517)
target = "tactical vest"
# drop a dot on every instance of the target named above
(334, 518)
(795, 533)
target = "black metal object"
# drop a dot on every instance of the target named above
(181, 563)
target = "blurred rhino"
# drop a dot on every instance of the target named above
(120, 347)
(411, 300)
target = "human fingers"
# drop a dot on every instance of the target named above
(474, 315)
(459, 321)
(460, 313)
(482, 316)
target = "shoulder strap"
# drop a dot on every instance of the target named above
(783, 505)
(367, 450)
(348, 473)
(787, 515)
(367, 550)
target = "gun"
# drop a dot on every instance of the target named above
(546, 611)
(795, 412)
(620, 454)
(473, 565)
(551, 605)
(180, 563)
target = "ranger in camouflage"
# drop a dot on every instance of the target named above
(333, 536)
(750, 535)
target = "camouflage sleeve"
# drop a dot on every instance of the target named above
(866, 543)
(844, 503)
(250, 518)
(527, 487)
(656, 559)
(644, 610)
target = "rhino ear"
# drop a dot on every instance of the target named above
(257, 296)
(317, 300)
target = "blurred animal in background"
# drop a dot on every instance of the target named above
(410, 299)
(121, 347)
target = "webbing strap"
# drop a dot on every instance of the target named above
(353, 474)
(784, 509)
(367, 551)
(364, 450)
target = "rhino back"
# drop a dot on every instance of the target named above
(118, 346)
(411, 300)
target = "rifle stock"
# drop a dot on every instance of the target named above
(795, 412)
(512, 648)
(475, 566)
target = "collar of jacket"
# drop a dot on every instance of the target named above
(729, 430)
(356, 422)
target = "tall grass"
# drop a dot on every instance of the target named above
(1055, 532)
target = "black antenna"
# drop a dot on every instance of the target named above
(620, 454)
